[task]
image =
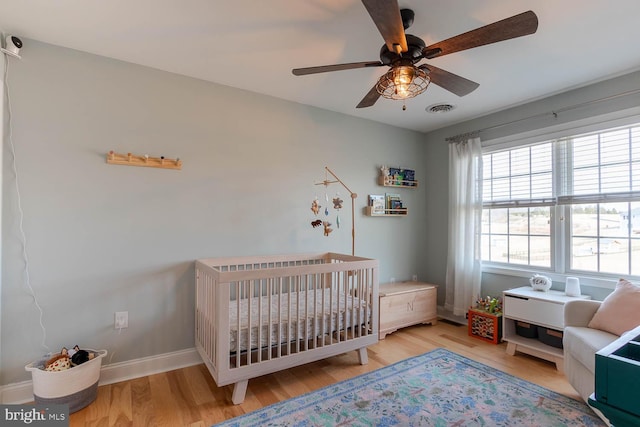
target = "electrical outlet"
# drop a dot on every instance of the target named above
(392, 280)
(121, 320)
(414, 277)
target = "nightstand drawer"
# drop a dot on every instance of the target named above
(539, 312)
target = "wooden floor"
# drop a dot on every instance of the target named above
(189, 397)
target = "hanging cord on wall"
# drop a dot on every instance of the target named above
(117, 347)
(19, 200)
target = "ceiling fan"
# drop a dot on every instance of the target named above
(401, 52)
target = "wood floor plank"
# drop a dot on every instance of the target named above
(198, 385)
(183, 397)
(95, 413)
(190, 397)
(120, 411)
(167, 411)
(142, 407)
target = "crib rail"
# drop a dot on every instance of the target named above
(258, 315)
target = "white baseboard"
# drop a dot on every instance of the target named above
(448, 315)
(22, 392)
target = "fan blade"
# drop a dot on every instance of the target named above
(369, 99)
(509, 28)
(449, 81)
(336, 67)
(386, 16)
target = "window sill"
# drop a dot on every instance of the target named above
(603, 281)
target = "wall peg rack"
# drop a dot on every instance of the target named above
(151, 162)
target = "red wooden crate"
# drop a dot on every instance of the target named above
(485, 326)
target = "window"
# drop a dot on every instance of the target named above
(567, 205)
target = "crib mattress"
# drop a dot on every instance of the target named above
(293, 316)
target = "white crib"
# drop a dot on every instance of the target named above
(258, 315)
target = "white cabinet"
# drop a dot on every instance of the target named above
(535, 308)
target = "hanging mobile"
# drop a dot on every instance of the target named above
(326, 199)
(337, 205)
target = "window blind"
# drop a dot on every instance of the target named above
(521, 177)
(600, 167)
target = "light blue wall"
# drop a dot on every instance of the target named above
(521, 126)
(104, 238)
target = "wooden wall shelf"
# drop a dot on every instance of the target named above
(389, 181)
(146, 161)
(368, 211)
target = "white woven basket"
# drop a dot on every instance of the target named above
(76, 386)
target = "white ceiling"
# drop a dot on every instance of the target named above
(254, 44)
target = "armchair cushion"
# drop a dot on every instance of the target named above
(580, 312)
(619, 312)
(582, 344)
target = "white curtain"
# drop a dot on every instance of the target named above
(464, 268)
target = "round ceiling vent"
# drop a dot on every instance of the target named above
(440, 108)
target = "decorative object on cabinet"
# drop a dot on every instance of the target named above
(524, 310)
(491, 305)
(572, 287)
(397, 177)
(327, 224)
(406, 304)
(540, 283)
(129, 159)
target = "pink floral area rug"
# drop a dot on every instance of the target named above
(438, 388)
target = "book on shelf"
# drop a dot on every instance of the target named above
(393, 201)
(377, 204)
(409, 177)
(403, 177)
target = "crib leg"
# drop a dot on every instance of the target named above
(239, 391)
(363, 358)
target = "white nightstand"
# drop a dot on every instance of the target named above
(536, 308)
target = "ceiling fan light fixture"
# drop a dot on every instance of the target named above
(402, 82)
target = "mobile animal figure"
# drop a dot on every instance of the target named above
(315, 206)
(327, 230)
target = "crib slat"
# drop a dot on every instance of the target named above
(325, 317)
(297, 326)
(239, 297)
(314, 280)
(257, 289)
(269, 316)
(304, 324)
(279, 350)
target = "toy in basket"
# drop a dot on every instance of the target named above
(64, 382)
